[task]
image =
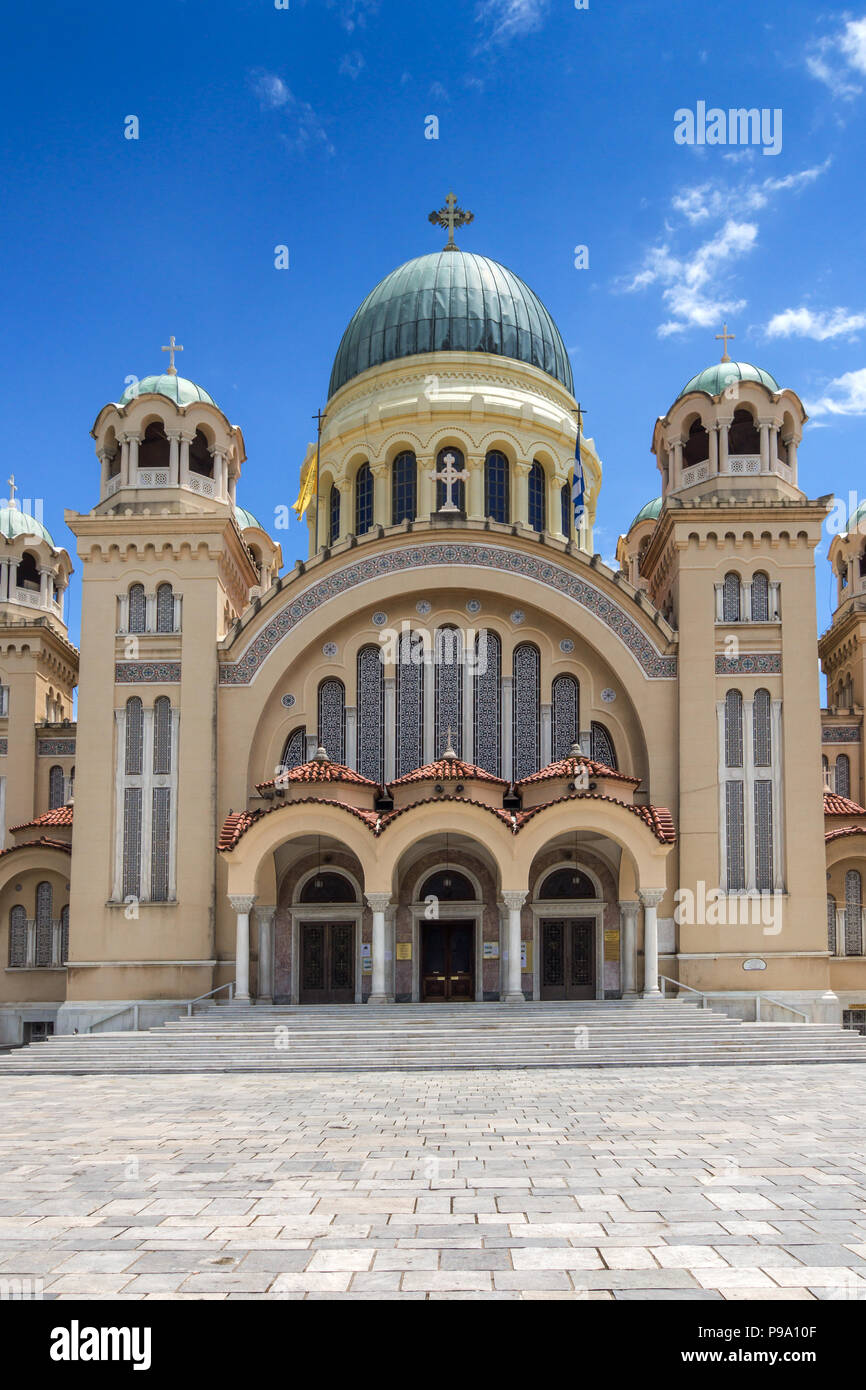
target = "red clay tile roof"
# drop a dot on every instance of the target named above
(315, 771)
(42, 843)
(569, 767)
(658, 818)
(389, 816)
(844, 830)
(448, 770)
(836, 805)
(61, 815)
(236, 825)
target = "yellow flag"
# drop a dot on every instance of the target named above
(308, 482)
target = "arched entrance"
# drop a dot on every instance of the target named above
(569, 913)
(328, 914)
(446, 932)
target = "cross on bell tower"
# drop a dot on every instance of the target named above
(451, 216)
(173, 347)
(724, 336)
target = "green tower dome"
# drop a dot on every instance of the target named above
(714, 380)
(245, 518)
(15, 522)
(451, 301)
(177, 388)
(648, 512)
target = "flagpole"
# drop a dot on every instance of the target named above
(318, 417)
(578, 467)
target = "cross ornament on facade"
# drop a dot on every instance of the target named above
(725, 335)
(172, 348)
(451, 216)
(448, 477)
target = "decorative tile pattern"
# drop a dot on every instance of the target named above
(146, 672)
(840, 733)
(50, 747)
(750, 664)
(287, 701)
(541, 569)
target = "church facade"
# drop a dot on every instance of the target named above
(452, 755)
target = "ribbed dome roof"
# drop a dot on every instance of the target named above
(177, 388)
(245, 519)
(715, 379)
(451, 301)
(648, 512)
(15, 522)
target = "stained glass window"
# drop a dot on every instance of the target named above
(64, 935)
(363, 499)
(162, 735)
(566, 715)
(295, 750)
(334, 515)
(137, 619)
(843, 775)
(762, 736)
(449, 691)
(853, 913)
(165, 608)
(55, 787)
(537, 501)
(734, 836)
(403, 488)
(488, 709)
(44, 926)
(733, 729)
(457, 492)
(370, 701)
(497, 493)
(731, 598)
(760, 598)
(132, 842)
(526, 738)
(160, 835)
(565, 504)
(764, 836)
(332, 719)
(410, 704)
(18, 936)
(134, 736)
(831, 924)
(603, 750)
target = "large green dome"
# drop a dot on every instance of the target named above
(15, 522)
(716, 379)
(451, 301)
(177, 388)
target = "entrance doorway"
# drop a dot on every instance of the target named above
(327, 974)
(568, 957)
(448, 961)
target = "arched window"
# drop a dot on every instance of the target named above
(137, 617)
(760, 598)
(488, 709)
(831, 924)
(843, 775)
(153, 450)
(410, 703)
(327, 887)
(134, 736)
(17, 937)
(363, 500)
(825, 768)
(567, 883)
(162, 735)
(457, 492)
(697, 446)
(525, 733)
(853, 914)
(404, 473)
(332, 719)
(449, 691)
(27, 572)
(734, 836)
(371, 712)
(603, 750)
(334, 515)
(733, 729)
(164, 608)
(731, 598)
(64, 934)
(537, 500)
(55, 787)
(762, 735)
(497, 492)
(44, 925)
(448, 885)
(565, 504)
(200, 456)
(743, 437)
(763, 835)
(566, 715)
(295, 749)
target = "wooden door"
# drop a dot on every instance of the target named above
(568, 958)
(327, 974)
(448, 961)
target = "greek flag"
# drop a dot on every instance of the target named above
(578, 486)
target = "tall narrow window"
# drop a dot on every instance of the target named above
(565, 504)
(55, 787)
(762, 736)
(760, 598)
(160, 837)
(164, 608)
(763, 835)
(457, 492)
(17, 937)
(831, 924)
(497, 493)
(853, 913)
(162, 735)
(131, 884)
(64, 934)
(44, 924)
(363, 500)
(410, 704)
(137, 609)
(449, 691)
(733, 729)
(134, 736)
(566, 715)
(525, 731)
(537, 500)
(332, 719)
(488, 708)
(731, 598)
(843, 775)
(295, 750)
(334, 515)
(403, 488)
(734, 836)
(370, 702)
(603, 750)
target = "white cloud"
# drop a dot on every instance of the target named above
(709, 200)
(354, 13)
(304, 132)
(352, 65)
(271, 90)
(846, 395)
(503, 20)
(805, 323)
(838, 59)
(692, 292)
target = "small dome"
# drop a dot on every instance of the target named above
(649, 512)
(857, 516)
(451, 301)
(715, 379)
(245, 519)
(177, 388)
(15, 522)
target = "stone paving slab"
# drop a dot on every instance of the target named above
(721, 1184)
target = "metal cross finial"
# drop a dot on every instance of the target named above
(172, 348)
(11, 481)
(725, 335)
(448, 476)
(451, 216)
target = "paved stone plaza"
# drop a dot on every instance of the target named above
(697, 1183)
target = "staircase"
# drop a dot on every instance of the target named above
(436, 1037)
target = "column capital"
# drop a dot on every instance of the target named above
(242, 903)
(265, 913)
(379, 902)
(514, 900)
(629, 906)
(651, 897)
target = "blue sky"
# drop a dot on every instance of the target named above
(305, 127)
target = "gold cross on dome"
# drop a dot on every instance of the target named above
(725, 335)
(451, 216)
(172, 348)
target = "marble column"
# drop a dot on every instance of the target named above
(520, 501)
(133, 461)
(764, 427)
(243, 906)
(427, 488)
(124, 460)
(183, 465)
(628, 911)
(173, 456)
(650, 898)
(265, 983)
(44, 586)
(714, 450)
(379, 904)
(514, 991)
(677, 480)
(723, 445)
(381, 500)
(475, 487)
